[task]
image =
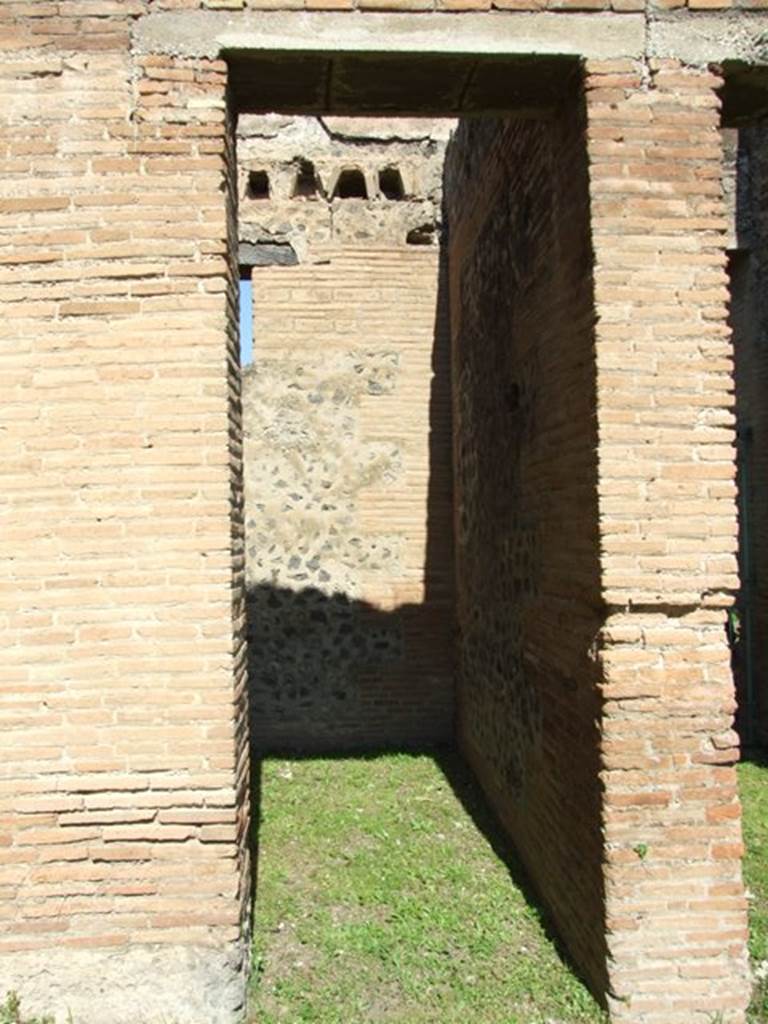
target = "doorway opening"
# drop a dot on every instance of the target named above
(421, 513)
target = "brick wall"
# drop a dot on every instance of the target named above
(528, 570)
(122, 863)
(96, 11)
(348, 502)
(596, 528)
(676, 915)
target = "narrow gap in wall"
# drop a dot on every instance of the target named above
(424, 234)
(348, 458)
(741, 618)
(246, 315)
(744, 140)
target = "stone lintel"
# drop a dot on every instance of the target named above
(599, 35)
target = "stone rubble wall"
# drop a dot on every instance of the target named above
(279, 147)
(348, 503)
(347, 440)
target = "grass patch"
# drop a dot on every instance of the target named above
(379, 900)
(10, 1012)
(753, 785)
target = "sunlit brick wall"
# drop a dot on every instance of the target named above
(122, 781)
(676, 912)
(596, 528)
(121, 850)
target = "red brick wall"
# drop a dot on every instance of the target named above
(123, 763)
(122, 780)
(676, 914)
(528, 572)
(596, 528)
(108, 19)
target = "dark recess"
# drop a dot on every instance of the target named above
(258, 185)
(391, 183)
(351, 185)
(306, 181)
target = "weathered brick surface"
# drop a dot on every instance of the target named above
(595, 545)
(676, 915)
(528, 570)
(122, 676)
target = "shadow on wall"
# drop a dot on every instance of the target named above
(529, 597)
(329, 671)
(315, 665)
(748, 320)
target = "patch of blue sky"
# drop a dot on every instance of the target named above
(246, 322)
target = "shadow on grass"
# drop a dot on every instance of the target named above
(467, 791)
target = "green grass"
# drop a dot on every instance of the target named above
(753, 784)
(10, 1012)
(379, 900)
